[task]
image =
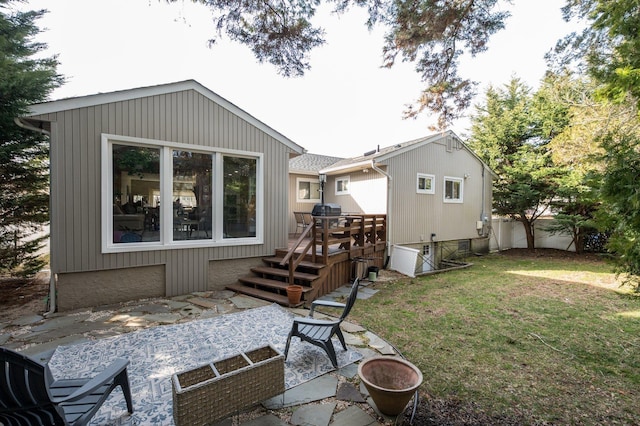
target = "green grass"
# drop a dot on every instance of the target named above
(542, 339)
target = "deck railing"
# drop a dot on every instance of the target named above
(328, 234)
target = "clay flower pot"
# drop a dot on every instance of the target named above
(294, 293)
(391, 382)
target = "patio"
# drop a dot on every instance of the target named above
(308, 374)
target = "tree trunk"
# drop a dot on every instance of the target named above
(528, 231)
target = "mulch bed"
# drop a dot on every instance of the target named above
(15, 292)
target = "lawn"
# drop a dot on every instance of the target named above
(516, 339)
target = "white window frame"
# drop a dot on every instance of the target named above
(460, 199)
(166, 186)
(346, 179)
(310, 181)
(432, 178)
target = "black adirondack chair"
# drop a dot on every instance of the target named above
(319, 332)
(30, 396)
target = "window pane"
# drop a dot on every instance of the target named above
(191, 195)
(239, 197)
(308, 190)
(136, 194)
(304, 191)
(452, 190)
(342, 185)
(424, 183)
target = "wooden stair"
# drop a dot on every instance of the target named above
(269, 282)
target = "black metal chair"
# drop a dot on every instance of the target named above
(30, 396)
(319, 332)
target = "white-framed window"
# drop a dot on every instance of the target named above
(425, 184)
(342, 185)
(159, 195)
(453, 189)
(308, 190)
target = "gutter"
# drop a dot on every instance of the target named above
(389, 198)
(25, 125)
(52, 281)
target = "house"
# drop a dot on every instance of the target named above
(304, 185)
(435, 191)
(159, 191)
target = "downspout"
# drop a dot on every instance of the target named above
(389, 198)
(482, 211)
(52, 280)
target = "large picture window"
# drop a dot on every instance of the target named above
(160, 194)
(308, 190)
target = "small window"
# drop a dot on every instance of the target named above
(453, 188)
(308, 190)
(342, 185)
(425, 184)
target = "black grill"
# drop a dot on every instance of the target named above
(327, 209)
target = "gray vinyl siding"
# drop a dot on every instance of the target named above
(183, 117)
(414, 217)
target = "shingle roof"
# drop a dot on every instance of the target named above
(311, 163)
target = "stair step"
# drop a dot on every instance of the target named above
(262, 294)
(267, 283)
(284, 273)
(303, 264)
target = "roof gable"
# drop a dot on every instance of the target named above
(381, 154)
(162, 89)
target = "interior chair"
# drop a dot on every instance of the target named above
(30, 396)
(319, 332)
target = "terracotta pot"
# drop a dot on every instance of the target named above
(294, 293)
(391, 382)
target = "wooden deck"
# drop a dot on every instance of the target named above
(329, 253)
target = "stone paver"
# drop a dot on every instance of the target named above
(267, 420)
(27, 320)
(379, 344)
(348, 392)
(154, 308)
(353, 416)
(162, 318)
(313, 414)
(244, 302)
(313, 390)
(351, 328)
(205, 303)
(349, 371)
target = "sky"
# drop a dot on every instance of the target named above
(344, 106)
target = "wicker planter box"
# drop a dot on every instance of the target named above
(213, 392)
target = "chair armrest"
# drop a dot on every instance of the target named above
(109, 373)
(313, 321)
(326, 304)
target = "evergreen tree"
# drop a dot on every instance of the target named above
(24, 155)
(510, 132)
